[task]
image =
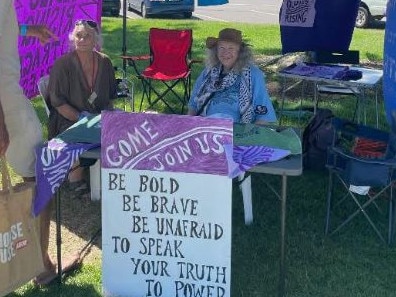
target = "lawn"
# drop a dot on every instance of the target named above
(351, 263)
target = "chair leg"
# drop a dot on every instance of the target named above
(361, 209)
(145, 94)
(330, 192)
(391, 217)
(169, 89)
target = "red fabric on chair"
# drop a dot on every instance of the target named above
(170, 50)
(170, 62)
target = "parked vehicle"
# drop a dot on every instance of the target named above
(370, 10)
(111, 7)
(152, 7)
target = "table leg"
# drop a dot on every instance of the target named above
(282, 269)
(246, 188)
(58, 235)
(283, 92)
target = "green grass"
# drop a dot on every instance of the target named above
(350, 263)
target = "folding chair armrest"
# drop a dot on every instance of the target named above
(133, 59)
(193, 61)
(340, 152)
(136, 58)
(357, 130)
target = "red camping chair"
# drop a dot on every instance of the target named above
(170, 62)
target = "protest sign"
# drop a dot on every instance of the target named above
(166, 205)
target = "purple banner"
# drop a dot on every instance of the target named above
(160, 142)
(54, 161)
(59, 16)
(243, 157)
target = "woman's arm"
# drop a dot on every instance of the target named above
(192, 103)
(262, 104)
(68, 112)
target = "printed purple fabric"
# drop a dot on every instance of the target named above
(158, 142)
(59, 16)
(54, 161)
(241, 158)
(317, 70)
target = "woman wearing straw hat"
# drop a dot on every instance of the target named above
(231, 85)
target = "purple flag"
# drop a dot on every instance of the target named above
(242, 158)
(54, 161)
(59, 16)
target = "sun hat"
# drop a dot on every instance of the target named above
(227, 34)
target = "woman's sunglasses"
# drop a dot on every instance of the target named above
(90, 23)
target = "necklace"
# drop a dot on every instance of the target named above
(89, 79)
(93, 73)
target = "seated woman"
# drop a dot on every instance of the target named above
(81, 82)
(231, 86)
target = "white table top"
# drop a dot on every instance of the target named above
(370, 78)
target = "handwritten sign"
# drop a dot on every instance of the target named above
(166, 200)
(298, 13)
(308, 25)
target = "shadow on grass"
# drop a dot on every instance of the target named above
(83, 282)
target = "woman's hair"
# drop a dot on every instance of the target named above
(245, 57)
(95, 31)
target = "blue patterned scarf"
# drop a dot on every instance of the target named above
(213, 83)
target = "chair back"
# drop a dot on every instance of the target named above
(170, 50)
(43, 89)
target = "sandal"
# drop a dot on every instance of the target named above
(47, 277)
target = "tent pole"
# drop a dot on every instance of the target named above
(124, 19)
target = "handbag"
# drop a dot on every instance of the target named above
(20, 251)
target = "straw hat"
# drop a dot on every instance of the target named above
(227, 34)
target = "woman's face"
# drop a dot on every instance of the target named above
(228, 53)
(84, 38)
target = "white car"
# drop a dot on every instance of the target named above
(168, 7)
(370, 10)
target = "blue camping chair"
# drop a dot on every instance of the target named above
(361, 157)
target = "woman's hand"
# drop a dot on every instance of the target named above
(84, 114)
(261, 123)
(42, 33)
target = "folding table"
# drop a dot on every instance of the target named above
(370, 81)
(289, 166)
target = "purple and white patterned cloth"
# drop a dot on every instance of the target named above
(54, 161)
(148, 141)
(241, 158)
